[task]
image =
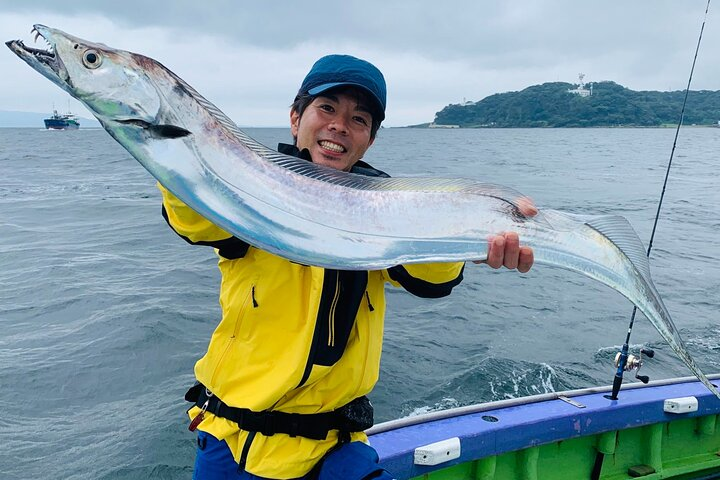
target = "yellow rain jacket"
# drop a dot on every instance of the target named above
(293, 338)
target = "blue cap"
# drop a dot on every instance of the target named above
(340, 70)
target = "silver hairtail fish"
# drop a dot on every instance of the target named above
(316, 215)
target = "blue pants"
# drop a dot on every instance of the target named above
(352, 461)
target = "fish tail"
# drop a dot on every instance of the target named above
(619, 231)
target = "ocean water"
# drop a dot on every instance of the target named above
(103, 310)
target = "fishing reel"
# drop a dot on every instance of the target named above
(634, 363)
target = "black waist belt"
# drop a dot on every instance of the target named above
(355, 416)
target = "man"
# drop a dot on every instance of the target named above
(282, 387)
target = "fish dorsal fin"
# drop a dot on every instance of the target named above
(621, 233)
(614, 227)
(223, 119)
(350, 180)
(407, 184)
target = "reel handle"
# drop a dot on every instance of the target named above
(631, 362)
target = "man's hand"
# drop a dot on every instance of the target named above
(505, 250)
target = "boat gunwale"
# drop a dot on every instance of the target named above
(492, 430)
(515, 402)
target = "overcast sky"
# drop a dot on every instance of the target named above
(249, 57)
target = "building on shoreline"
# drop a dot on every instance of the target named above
(581, 90)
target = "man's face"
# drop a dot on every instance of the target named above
(334, 128)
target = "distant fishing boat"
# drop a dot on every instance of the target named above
(58, 121)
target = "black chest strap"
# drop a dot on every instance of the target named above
(355, 416)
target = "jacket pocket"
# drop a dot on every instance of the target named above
(247, 302)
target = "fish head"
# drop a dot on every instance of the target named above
(120, 88)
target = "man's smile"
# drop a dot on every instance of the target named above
(332, 146)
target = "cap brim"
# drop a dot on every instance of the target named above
(327, 86)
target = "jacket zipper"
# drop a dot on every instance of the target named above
(252, 292)
(370, 343)
(370, 307)
(331, 316)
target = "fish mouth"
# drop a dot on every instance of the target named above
(46, 61)
(46, 56)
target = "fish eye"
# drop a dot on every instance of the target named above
(92, 58)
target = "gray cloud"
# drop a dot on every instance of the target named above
(459, 29)
(433, 53)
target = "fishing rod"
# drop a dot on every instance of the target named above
(624, 361)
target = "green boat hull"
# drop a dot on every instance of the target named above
(683, 449)
(570, 435)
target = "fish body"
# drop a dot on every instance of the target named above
(316, 215)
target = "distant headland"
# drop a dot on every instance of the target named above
(559, 104)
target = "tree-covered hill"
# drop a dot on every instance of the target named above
(610, 105)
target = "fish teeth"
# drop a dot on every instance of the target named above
(39, 52)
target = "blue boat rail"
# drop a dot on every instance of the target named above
(490, 430)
